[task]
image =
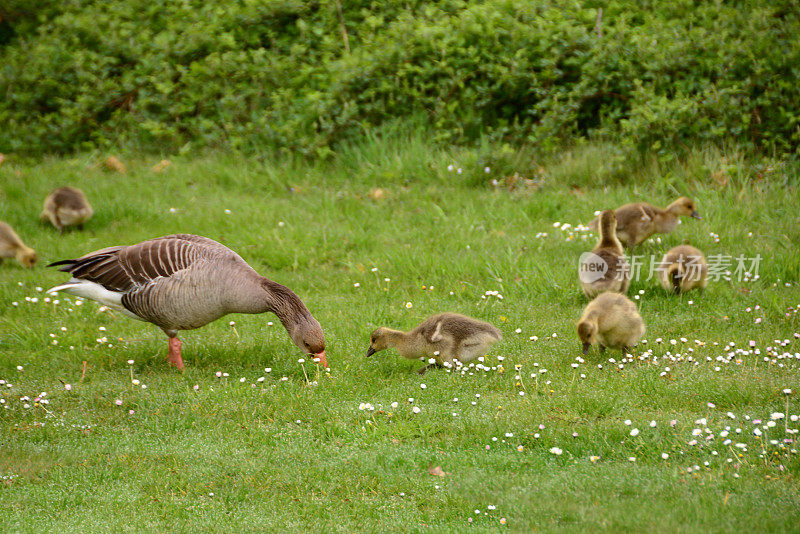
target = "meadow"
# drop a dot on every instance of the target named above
(696, 430)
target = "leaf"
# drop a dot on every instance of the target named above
(436, 471)
(113, 163)
(161, 166)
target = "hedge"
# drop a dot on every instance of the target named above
(248, 75)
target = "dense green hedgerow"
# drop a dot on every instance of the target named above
(249, 74)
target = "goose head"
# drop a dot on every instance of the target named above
(608, 222)
(378, 341)
(587, 331)
(28, 258)
(304, 330)
(307, 335)
(684, 206)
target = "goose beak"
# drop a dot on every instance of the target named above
(586, 347)
(323, 361)
(370, 352)
(696, 215)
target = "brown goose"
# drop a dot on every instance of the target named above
(182, 282)
(605, 267)
(638, 221)
(682, 269)
(67, 206)
(611, 320)
(11, 246)
(445, 337)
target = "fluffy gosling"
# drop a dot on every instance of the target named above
(605, 267)
(610, 321)
(67, 206)
(638, 221)
(446, 337)
(11, 246)
(682, 269)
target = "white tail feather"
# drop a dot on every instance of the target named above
(95, 292)
(62, 287)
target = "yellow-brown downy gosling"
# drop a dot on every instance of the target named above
(446, 337)
(639, 220)
(67, 206)
(605, 267)
(682, 269)
(11, 246)
(610, 321)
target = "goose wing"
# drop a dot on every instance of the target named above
(125, 268)
(637, 213)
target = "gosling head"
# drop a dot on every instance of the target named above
(608, 222)
(684, 206)
(587, 331)
(378, 341)
(28, 258)
(608, 217)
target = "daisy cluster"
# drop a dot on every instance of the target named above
(8, 479)
(268, 378)
(489, 514)
(34, 405)
(489, 294)
(13, 396)
(370, 414)
(721, 441)
(570, 232)
(727, 441)
(372, 411)
(697, 353)
(67, 305)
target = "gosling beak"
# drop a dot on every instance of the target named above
(586, 347)
(370, 352)
(696, 215)
(323, 361)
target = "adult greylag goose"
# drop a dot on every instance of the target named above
(67, 206)
(181, 282)
(445, 337)
(639, 220)
(605, 267)
(11, 246)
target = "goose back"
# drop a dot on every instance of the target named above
(9, 241)
(460, 327)
(66, 206)
(177, 282)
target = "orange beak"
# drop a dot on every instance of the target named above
(323, 361)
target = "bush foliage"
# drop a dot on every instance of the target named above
(249, 74)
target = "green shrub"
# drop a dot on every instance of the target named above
(248, 75)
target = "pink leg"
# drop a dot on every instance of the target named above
(175, 353)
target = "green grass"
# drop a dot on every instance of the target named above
(300, 455)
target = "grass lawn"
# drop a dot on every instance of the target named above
(664, 442)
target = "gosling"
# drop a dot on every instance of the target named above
(11, 246)
(605, 267)
(446, 337)
(682, 269)
(67, 206)
(610, 321)
(638, 221)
